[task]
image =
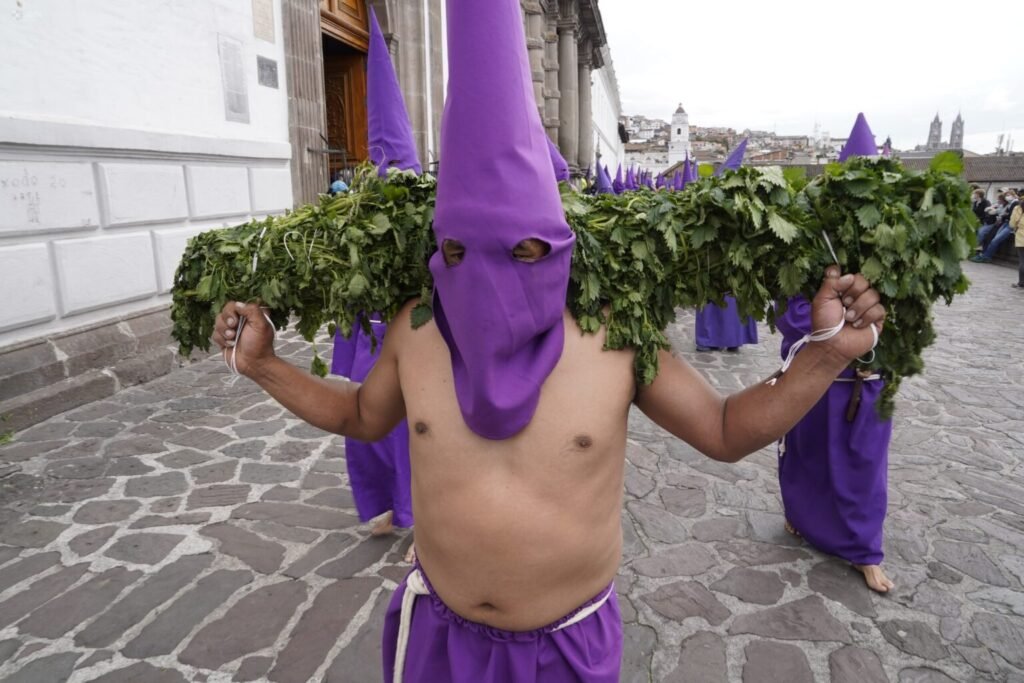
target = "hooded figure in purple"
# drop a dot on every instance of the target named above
(834, 464)
(603, 184)
(618, 186)
(630, 180)
(558, 162)
(719, 328)
(734, 160)
(861, 141)
(716, 327)
(379, 472)
(501, 318)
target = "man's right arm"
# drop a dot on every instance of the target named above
(367, 411)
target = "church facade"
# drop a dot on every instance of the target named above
(149, 126)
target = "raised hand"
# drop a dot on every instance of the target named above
(862, 310)
(256, 344)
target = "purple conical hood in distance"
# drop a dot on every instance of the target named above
(735, 158)
(617, 185)
(603, 183)
(558, 162)
(861, 142)
(501, 317)
(391, 143)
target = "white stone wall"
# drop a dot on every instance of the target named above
(118, 142)
(606, 112)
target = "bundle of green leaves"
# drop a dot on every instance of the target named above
(757, 234)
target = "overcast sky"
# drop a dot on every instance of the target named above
(785, 65)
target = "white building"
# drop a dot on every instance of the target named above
(679, 145)
(125, 129)
(607, 110)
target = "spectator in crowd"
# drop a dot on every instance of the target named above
(338, 185)
(1017, 225)
(980, 205)
(999, 236)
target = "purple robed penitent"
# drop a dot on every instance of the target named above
(861, 141)
(734, 160)
(379, 472)
(502, 321)
(722, 328)
(558, 162)
(603, 184)
(833, 471)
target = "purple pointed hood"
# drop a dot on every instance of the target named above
(694, 172)
(391, 143)
(734, 160)
(677, 181)
(861, 142)
(558, 162)
(630, 179)
(603, 183)
(659, 181)
(617, 184)
(502, 318)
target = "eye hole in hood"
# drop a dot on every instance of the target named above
(531, 250)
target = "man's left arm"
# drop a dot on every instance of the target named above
(729, 428)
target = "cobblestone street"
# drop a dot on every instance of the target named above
(190, 529)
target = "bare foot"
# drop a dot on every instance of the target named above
(410, 555)
(790, 529)
(875, 577)
(384, 526)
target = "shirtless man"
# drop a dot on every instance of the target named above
(517, 420)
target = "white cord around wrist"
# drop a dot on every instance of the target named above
(231, 360)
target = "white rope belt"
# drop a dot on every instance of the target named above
(586, 611)
(416, 586)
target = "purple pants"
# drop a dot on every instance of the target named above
(446, 648)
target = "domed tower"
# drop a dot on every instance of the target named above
(679, 141)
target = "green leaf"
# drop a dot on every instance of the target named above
(421, 314)
(357, 285)
(872, 269)
(869, 216)
(947, 162)
(782, 228)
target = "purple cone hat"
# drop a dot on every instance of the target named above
(558, 162)
(603, 183)
(630, 179)
(861, 142)
(677, 181)
(735, 158)
(390, 133)
(502, 318)
(694, 172)
(617, 184)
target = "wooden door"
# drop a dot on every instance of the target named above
(345, 92)
(346, 20)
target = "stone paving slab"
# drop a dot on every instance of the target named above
(190, 529)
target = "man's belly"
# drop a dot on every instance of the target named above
(499, 554)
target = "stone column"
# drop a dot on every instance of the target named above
(304, 63)
(586, 148)
(568, 87)
(535, 25)
(551, 93)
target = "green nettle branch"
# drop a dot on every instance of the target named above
(758, 234)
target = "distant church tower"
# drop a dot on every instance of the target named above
(679, 142)
(935, 134)
(956, 136)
